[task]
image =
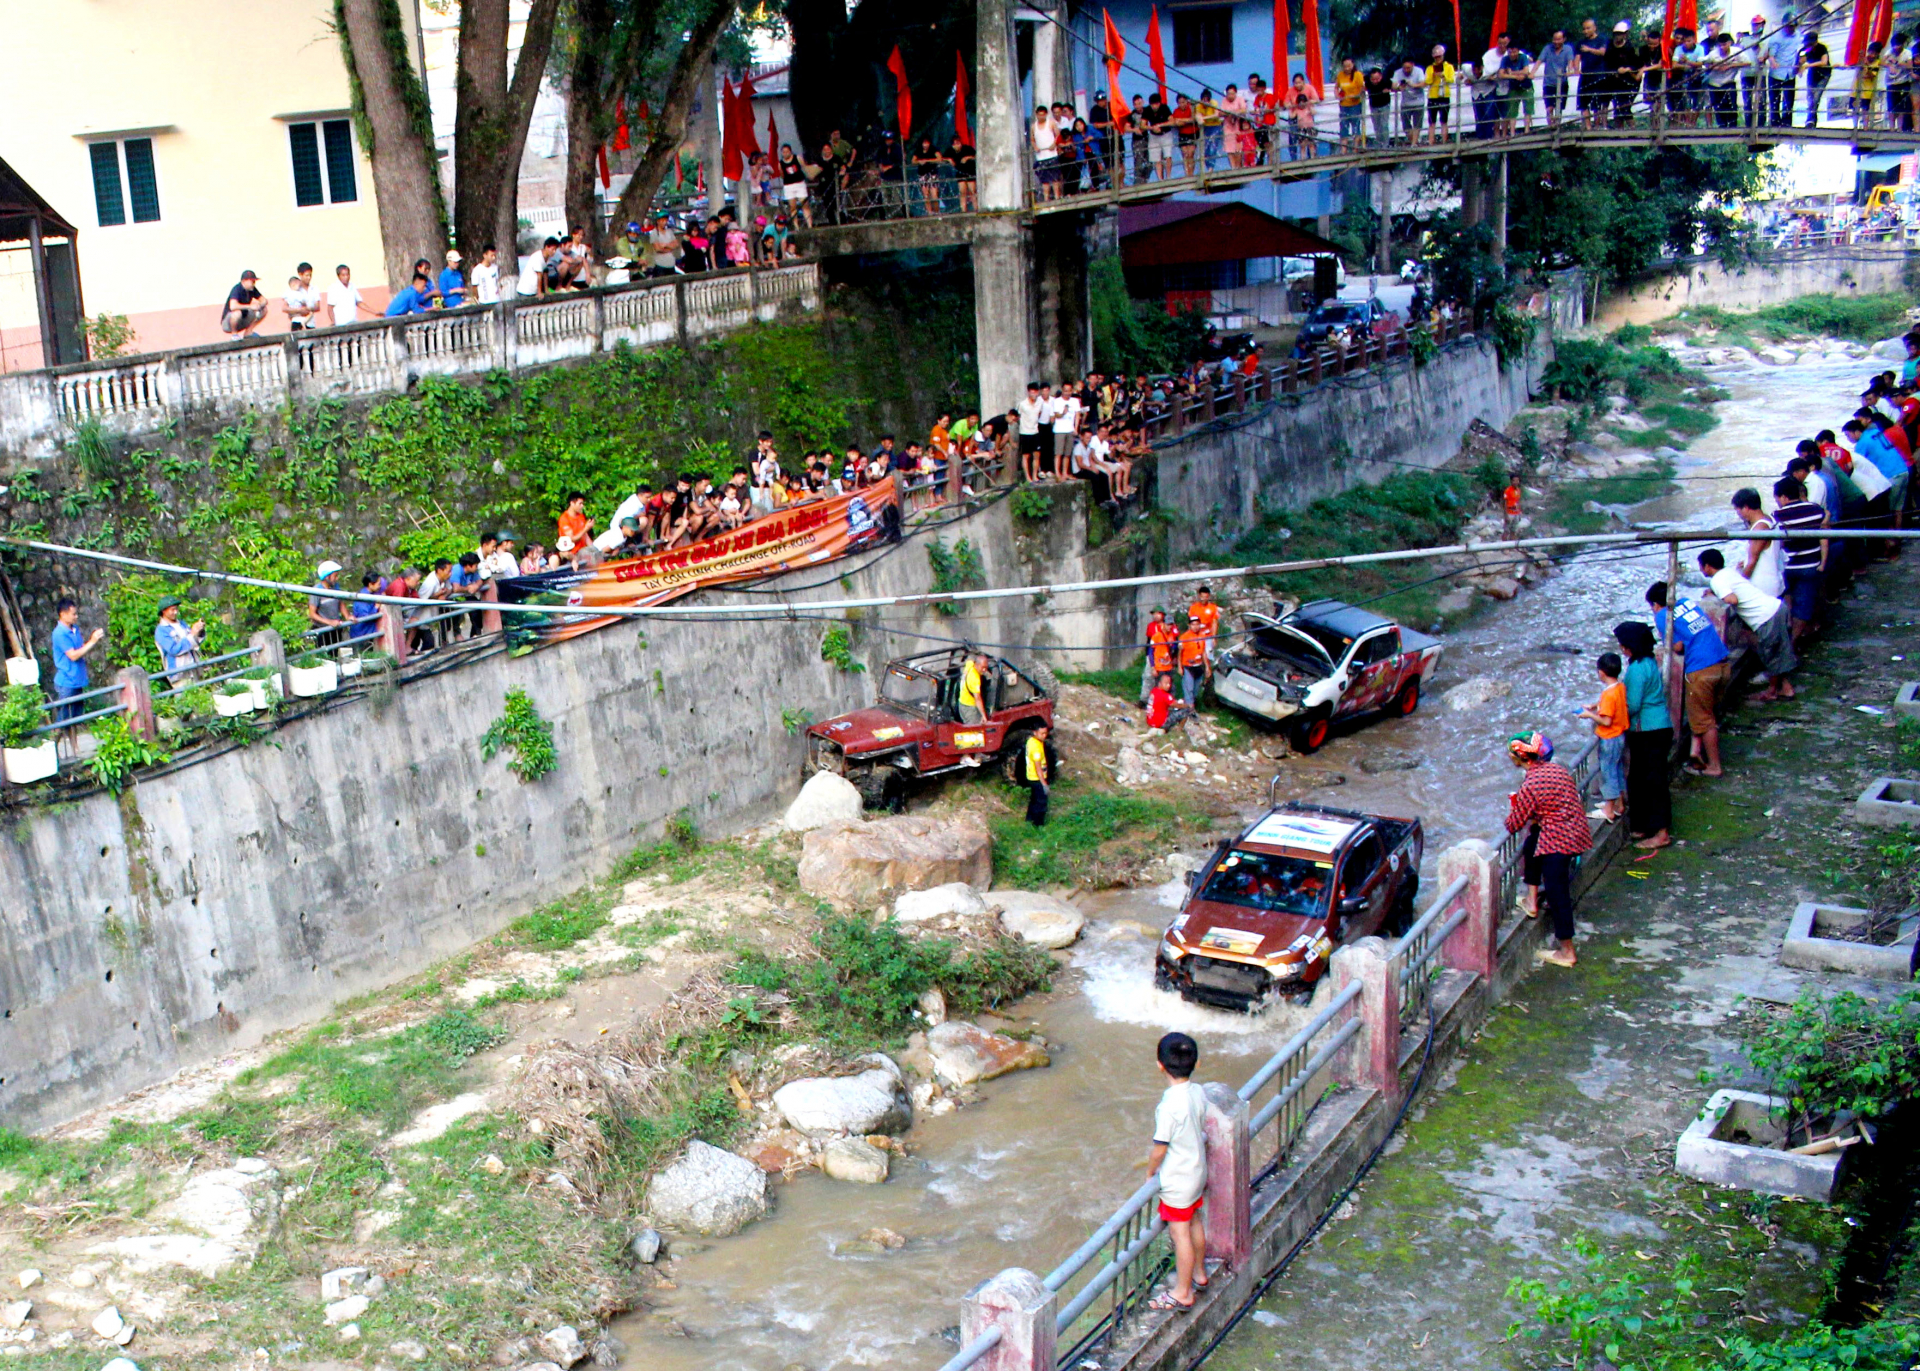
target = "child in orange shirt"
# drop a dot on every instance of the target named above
(1609, 715)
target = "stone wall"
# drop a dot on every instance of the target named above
(1690, 283)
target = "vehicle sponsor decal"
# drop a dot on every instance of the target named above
(1238, 941)
(1312, 947)
(882, 734)
(1302, 830)
(969, 740)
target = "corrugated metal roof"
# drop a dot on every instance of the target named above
(1186, 232)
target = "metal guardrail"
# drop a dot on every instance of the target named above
(1418, 949)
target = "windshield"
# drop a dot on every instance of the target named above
(1275, 884)
(1336, 314)
(910, 690)
(1336, 644)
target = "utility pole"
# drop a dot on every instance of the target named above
(1383, 251)
(1500, 211)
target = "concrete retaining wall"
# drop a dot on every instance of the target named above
(1865, 269)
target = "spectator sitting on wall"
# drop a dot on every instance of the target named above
(533, 269)
(506, 562)
(179, 643)
(486, 276)
(344, 305)
(573, 525)
(302, 300)
(244, 309)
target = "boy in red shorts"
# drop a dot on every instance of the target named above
(1179, 1158)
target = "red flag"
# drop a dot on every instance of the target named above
(732, 160)
(1686, 16)
(902, 95)
(1310, 33)
(1281, 33)
(620, 140)
(960, 125)
(749, 144)
(1456, 31)
(773, 134)
(606, 176)
(1864, 13)
(646, 116)
(1155, 57)
(1882, 23)
(1499, 24)
(1116, 53)
(1666, 38)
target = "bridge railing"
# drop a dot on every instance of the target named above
(139, 394)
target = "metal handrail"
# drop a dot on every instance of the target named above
(201, 662)
(973, 1351)
(1308, 1070)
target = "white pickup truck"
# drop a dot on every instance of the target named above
(1325, 661)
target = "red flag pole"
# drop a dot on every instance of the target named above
(1310, 35)
(960, 124)
(1457, 54)
(1156, 57)
(1499, 27)
(1282, 32)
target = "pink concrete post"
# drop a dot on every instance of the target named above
(136, 698)
(393, 634)
(1228, 1211)
(1021, 1307)
(489, 618)
(1373, 1057)
(1475, 945)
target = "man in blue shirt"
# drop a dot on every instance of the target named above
(415, 299)
(70, 659)
(1704, 658)
(1869, 442)
(1783, 62)
(453, 282)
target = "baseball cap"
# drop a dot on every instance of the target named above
(249, 276)
(453, 255)
(563, 543)
(327, 569)
(1623, 27)
(505, 535)
(169, 602)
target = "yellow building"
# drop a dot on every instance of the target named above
(188, 142)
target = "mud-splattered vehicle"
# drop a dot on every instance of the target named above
(914, 728)
(1268, 908)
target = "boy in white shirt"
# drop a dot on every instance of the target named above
(1762, 613)
(1066, 420)
(486, 277)
(1179, 1158)
(301, 305)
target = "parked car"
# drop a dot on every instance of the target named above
(1268, 908)
(913, 729)
(1326, 660)
(1297, 268)
(1368, 315)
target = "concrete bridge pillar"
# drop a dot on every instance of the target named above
(1004, 345)
(1383, 204)
(1373, 1057)
(1020, 1306)
(1228, 1211)
(1475, 945)
(1500, 209)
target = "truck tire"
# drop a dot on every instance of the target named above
(876, 785)
(1408, 699)
(1310, 734)
(1043, 677)
(1400, 918)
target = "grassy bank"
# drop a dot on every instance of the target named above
(517, 1215)
(1855, 318)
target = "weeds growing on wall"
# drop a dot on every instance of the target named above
(955, 568)
(836, 647)
(119, 752)
(522, 731)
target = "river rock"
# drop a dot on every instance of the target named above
(563, 1345)
(409, 1349)
(965, 1053)
(1389, 759)
(645, 1246)
(854, 1159)
(347, 1310)
(15, 1315)
(824, 799)
(1476, 691)
(955, 897)
(932, 1004)
(1042, 920)
(341, 1282)
(227, 1214)
(121, 1364)
(874, 1101)
(107, 1323)
(1777, 356)
(28, 1278)
(708, 1191)
(866, 865)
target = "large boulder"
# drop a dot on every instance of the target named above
(1476, 691)
(954, 898)
(875, 1101)
(824, 799)
(854, 1159)
(708, 1191)
(965, 1053)
(865, 865)
(219, 1220)
(1043, 920)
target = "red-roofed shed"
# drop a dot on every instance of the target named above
(1178, 246)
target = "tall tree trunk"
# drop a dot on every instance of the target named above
(820, 73)
(690, 65)
(589, 91)
(479, 122)
(536, 44)
(397, 130)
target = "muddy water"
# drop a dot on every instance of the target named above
(1021, 1177)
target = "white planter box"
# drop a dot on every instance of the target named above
(232, 706)
(261, 698)
(1813, 943)
(309, 681)
(1705, 1151)
(23, 671)
(25, 765)
(349, 666)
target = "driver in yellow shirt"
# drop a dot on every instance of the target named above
(972, 675)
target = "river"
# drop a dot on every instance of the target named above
(1020, 1177)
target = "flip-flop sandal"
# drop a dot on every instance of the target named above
(1649, 855)
(1167, 1301)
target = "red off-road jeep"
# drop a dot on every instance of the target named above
(914, 728)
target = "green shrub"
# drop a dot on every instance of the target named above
(1581, 368)
(120, 753)
(1828, 1053)
(524, 733)
(836, 647)
(1030, 502)
(955, 569)
(22, 710)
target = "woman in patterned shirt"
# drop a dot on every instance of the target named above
(1549, 802)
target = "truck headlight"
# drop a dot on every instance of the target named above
(1170, 950)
